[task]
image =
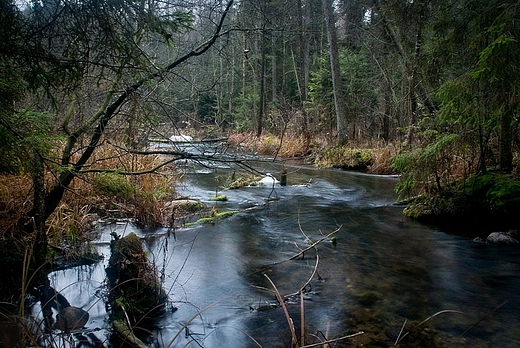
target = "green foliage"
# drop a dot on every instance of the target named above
(114, 184)
(21, 134)
(498, 192)
(492, 198)
(206, 108)
(427, 167)
(459, 105)
(320, 83)
(245, 112)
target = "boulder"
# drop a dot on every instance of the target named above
(71, 318)
(501, 238)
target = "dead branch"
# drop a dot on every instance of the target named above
(316, 243)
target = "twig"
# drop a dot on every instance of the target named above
(400, 332)
(334, 340)
(427, 319)
(286, 312)
(189, 321)
(483, 318)
(316, 243)
(302, 319)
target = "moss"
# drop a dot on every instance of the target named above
(481, 202)
(114, 184)
(495, 191)
(219, 198)
(126, 246)
(135, 283)
(236, 183)
(345, 158)
(214, 217)
(188, 205)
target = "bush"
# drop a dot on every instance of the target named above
(497, 192)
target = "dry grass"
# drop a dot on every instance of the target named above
(291, 146)
(93, 194)
(15, 199)
(382, 156)
(318, 149)
(141, 197)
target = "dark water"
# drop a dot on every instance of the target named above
(383, 271)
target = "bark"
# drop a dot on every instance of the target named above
(506, 142)
(303, 71)
(40, 237)
(261, 106)
(339, 99)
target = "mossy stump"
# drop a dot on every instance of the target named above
(135, 287)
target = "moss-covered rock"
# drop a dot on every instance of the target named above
(345, 158)
(219, 198)
(134, 283)
(213, 217)
(186, 205)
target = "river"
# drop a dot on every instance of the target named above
(381, 275)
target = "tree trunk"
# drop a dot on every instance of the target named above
(339, 99)
(39, 217)
(506, 142)
(303, 71)
(261, 106)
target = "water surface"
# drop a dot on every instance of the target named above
(383, 271)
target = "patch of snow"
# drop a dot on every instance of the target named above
(181, 138)
(268, 180)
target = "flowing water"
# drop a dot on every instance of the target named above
(381, 272)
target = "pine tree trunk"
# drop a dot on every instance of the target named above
(339, 99)
(506, 142)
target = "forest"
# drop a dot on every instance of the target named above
(431, 86)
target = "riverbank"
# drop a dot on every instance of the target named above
(320, 151)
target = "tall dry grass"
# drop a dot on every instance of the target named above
(291, 146)
(316, 149)
(110, 186)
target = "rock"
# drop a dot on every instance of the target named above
(136, 287)
(500, 238)
(190, 205)
(71, 318)
(479, 240)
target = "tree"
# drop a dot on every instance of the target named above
(339, 101)
(91, 63)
